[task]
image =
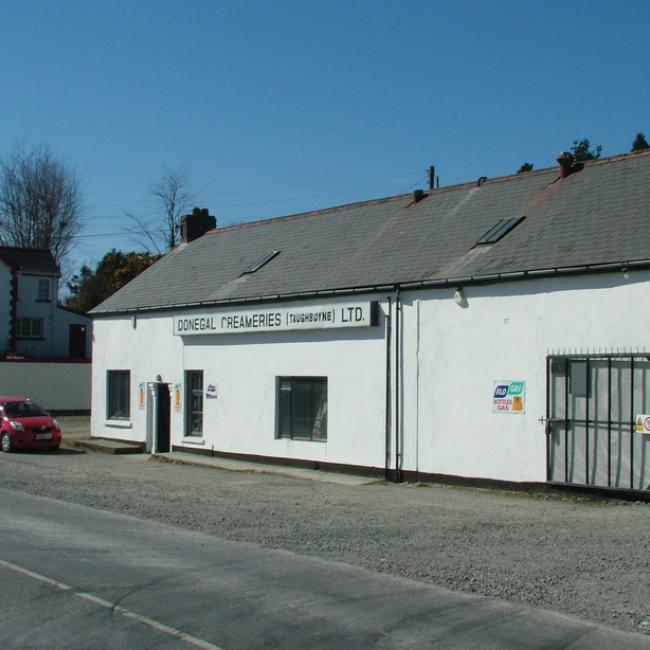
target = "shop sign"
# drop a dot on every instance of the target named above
(211, 391)
(509, 396)
(642, 423)
(358, 314)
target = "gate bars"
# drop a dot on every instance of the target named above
(563, 427)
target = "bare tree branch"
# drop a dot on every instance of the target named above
(40, 201)
(172, 198)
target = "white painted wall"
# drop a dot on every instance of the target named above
(505, 332)
(244, 367)
(56, 321)
(450, 358)
(57, 386)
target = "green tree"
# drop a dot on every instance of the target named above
(526, 167)
(583, 151)
(640, 143)
(88, 288)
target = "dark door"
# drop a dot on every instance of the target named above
(162, 417)
(77, 342)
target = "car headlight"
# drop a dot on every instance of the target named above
(17, 425)
(55, 422)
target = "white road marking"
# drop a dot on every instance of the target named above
(61, 586)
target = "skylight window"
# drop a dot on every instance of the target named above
(261, 262)
(499, 230)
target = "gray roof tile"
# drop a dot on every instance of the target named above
(29, 260)
(599, 214)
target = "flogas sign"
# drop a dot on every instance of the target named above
(509, 396)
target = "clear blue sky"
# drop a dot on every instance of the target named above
(277, 107)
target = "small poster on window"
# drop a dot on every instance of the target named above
(178, 397)
(211, 391)
(141, 393)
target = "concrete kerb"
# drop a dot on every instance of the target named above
(232, 465)
(76, 435)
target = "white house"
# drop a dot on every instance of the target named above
(45, 348)
(493, 330)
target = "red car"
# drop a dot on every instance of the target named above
(25, 425)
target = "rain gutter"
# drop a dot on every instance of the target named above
(488, 278)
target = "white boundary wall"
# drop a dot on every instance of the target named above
(55, 385)
(450, 358)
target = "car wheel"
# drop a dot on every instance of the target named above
(5, 443)
(55, 448)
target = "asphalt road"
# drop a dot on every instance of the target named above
(78, 577)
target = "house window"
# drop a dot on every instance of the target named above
(302, 408)
(43, 290)
(29, 328)
(118, 402)
(194, 402)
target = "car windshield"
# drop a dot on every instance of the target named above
(22, 409)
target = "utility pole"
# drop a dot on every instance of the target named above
(434, 181)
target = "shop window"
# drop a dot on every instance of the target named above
(43, 290)
(118, 402)
(302, 408)
(194, 402)
(29, 328)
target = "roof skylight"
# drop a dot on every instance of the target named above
(499, 230)
(265, 259)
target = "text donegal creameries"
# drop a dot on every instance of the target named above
(363, 314)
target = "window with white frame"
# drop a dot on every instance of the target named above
(302, 408)
(118, 395)
(43, 290)
(29, 328)
(194, 402)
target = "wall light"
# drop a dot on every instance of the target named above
(459, 298)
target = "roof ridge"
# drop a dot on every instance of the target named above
(309, 213)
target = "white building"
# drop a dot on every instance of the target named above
(493, 330)
(44, 347)
(35, 325)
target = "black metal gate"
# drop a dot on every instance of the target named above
(594, 434)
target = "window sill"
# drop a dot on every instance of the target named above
(119, 424)
(193, 440)
(43, 300)
(318, 440)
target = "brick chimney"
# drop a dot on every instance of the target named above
(565, 160)
(196, 224)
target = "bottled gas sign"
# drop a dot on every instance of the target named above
(509, 396)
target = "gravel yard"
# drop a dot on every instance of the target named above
(590, 558)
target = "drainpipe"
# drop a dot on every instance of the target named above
(417, 390)
(398, 317)
(389, 319)
(14, 309)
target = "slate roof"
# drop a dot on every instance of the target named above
(29, 260)
(597, 216)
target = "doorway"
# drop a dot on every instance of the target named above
(162, 417)
(77, 342)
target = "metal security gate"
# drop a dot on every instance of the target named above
(594, 434)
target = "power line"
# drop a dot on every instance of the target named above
(253, 190)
